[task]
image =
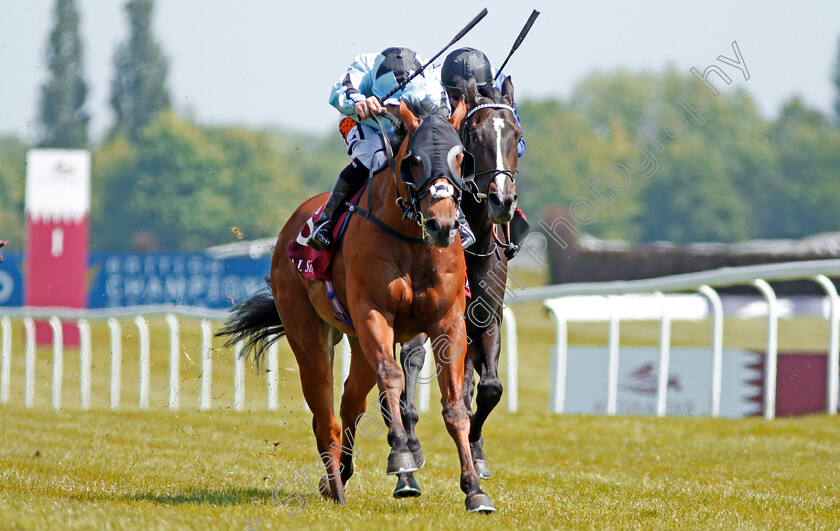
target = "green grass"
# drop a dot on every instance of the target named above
(159, 469)
(196, 470)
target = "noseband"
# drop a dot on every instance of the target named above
(469, 183)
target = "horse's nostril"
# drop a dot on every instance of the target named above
(432, 225)
(495, 199)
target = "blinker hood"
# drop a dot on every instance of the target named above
(435, 144)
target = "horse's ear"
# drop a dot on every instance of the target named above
(411, 122)
(468, 90)
(458, 114)
(471, 92)
(507, 90)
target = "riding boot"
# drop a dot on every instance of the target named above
(519, 228)
(467, 236)
(321, 237)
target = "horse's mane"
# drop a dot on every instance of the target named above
(422, 109)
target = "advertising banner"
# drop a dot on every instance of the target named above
(132, 279)
(57, 216)
(689, 381)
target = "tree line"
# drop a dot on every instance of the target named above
(161, 181)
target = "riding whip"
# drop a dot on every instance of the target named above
(518, 41)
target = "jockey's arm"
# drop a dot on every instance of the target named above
(354, 85)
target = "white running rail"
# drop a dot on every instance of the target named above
(703, 282)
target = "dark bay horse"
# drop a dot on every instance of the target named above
(491, 134)
(394, 286)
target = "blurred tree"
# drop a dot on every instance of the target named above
(837, 85)
(138, 90)
(733, 133)
(258, 187)
(62, 119)
(693, 198)
(12, 187)
(807, 195)
(563, 150)
(318, 160)
(617, 98)
(182, 187)
(681, 200)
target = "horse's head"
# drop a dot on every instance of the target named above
(431, 162)
(491, 134)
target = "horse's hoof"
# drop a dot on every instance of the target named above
(419, 460)
(482, 468)
(401, 463)
(480, 503)
(324, 487)
(407, 487)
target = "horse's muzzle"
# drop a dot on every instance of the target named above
(440, 235)
(500, 207)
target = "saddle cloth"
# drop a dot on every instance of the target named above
(313, 264)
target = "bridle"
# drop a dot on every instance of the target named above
(417, 151)
(470, 185)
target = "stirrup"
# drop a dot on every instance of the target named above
(320, 238)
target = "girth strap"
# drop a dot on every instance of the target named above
(340, 313)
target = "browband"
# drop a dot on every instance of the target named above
(489, 105)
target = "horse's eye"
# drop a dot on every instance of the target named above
(416, 163)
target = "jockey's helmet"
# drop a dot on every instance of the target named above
(466, 62)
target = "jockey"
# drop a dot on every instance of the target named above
(466, 62)
(358, 95)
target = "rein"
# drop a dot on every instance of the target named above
(497, 242)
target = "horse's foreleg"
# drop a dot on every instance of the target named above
(449, 344)
(376, 337)
(412, 358)
(488, 395)
(469, 377)
(359, 382)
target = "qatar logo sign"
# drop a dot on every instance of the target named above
(57, 228)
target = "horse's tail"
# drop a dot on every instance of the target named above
(256, 322)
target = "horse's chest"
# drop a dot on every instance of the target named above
(433, 290)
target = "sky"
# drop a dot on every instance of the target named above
(272, 62)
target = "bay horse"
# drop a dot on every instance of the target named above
(491, 134)
(394, 285)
